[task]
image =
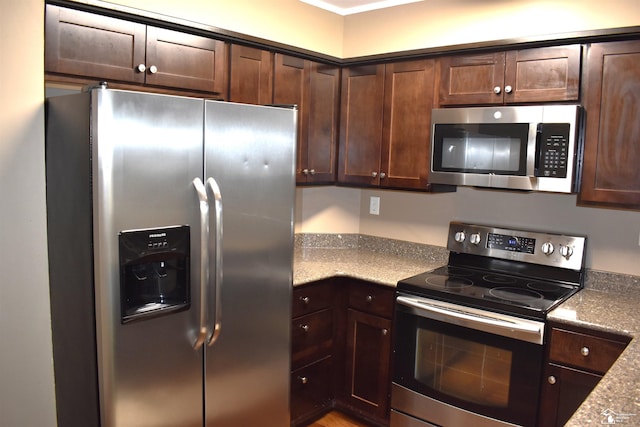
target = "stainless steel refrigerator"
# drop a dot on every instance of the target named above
(170, 224)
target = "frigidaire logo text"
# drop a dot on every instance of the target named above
(158, 235)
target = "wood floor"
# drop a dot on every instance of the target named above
(337, 419)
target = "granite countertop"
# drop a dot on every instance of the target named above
(385, 261)
(382, 261)
(618, 393)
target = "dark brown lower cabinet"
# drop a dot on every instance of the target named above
(311, 391)
(368, 351)
(564, 389)
(341, 350)
(577, 358)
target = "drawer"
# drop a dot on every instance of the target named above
(373, 299)
(311, 337)
(310, 298)
(311, 390)
(584, 351)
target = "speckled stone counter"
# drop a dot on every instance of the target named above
(609, 302)
(377, 260)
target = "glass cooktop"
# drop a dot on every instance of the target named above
(500, 292)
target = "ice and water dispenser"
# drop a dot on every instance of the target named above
(154, 272)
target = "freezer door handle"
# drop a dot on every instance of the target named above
(204, 258)
(216, 196)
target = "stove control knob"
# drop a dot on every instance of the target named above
(460, 237)
(475, 238)
(547, 248)
(566, 251)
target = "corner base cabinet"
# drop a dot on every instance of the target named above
(366, 385)
(341, 350)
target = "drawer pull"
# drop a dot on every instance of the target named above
(385, 331)
(369, 298)
(303, 380)
(304, 328)
(584, 351)
(305, 300)
(551, 380)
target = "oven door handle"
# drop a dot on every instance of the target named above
(495, 323)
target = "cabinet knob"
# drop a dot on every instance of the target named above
(551, 380)
(305, 300)
(497, 90)
(584, 351)
(508, 89)
(305, 171)
(312, 171)
(153, 69)
(385, 331)
(369, 298)
(383, 175)
(141, 68)
(303, 380)
(374, 174)
(304, 328)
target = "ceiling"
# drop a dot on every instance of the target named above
(348, 7)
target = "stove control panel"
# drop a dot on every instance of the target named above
(536, 247)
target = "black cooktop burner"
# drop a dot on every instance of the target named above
(506, 293)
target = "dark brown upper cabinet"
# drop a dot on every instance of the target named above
(251, 75)
(386, 123)
(547, 74)
(314, 88)
(610, 176)
(90, 46)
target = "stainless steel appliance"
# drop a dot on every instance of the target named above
(170, 241)
(522, 148)
(469, 336)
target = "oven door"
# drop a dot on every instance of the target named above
(455, 365)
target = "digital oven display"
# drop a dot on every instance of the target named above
(511, 243)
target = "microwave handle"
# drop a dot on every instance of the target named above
(539, 154)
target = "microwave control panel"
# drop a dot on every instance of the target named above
(552, 146)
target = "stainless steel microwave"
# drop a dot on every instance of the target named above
(535, 148)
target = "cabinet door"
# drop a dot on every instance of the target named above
(368, 350)
(315, 89)
(251, 75)
(311, 391)
(472, 79)
(542, 74)
(563, 391)
(322, 131)
(612, 140)
(408, 100)
(88, 45)
(361, 125)
(185, 61)
(291, 86)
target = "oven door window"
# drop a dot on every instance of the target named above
(483, 373)
(499, 149)
(463, 369)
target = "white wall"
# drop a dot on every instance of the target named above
(26, 370)
(289, 22)
(445, 23)
(613, 235)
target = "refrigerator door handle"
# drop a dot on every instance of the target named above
(204, 264)
(212, 185)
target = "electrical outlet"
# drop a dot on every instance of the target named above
(374, 205)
